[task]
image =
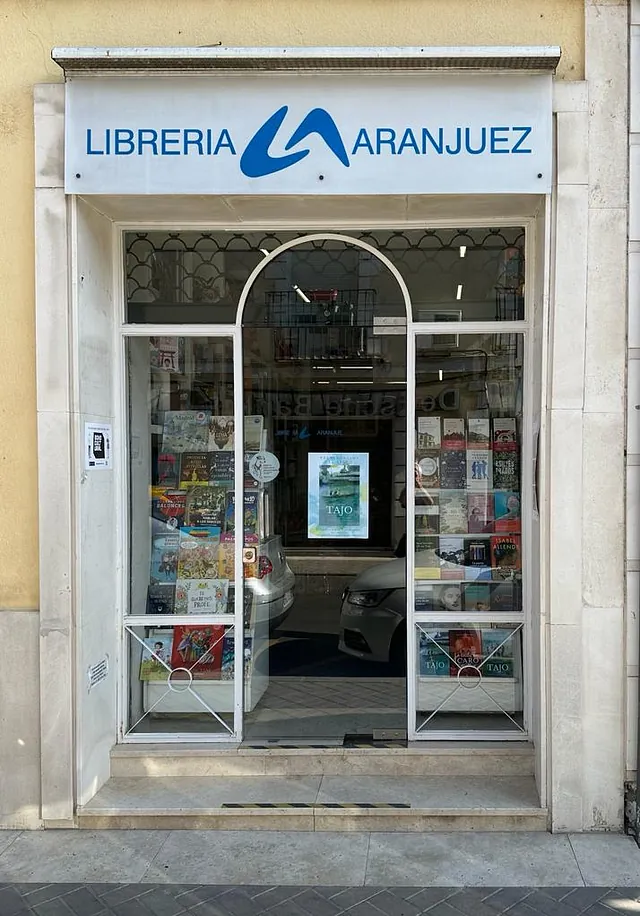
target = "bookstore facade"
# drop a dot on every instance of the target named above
(319, 490)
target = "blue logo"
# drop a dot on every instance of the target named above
(256, 161)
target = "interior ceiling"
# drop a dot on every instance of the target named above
(322, 211)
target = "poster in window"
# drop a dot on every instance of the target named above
(338, 495)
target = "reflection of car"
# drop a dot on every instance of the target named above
(373, 616)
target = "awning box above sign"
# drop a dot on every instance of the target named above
(309, 134)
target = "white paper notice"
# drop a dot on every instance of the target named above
(97, 449)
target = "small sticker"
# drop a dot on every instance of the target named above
(264, 466)
(98, 442)
(249, 554)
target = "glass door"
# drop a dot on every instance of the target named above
(471, 447)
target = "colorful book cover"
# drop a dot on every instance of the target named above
(228, 655)
(479, 469)
(199, 649)
(226, 561)
(168, 470)
(429, 467)
(453, 437)
(453, 470)
(164, 557)
(507, 511)
(250, 518)
(478, 432)
(221, 466)
(194, 470)
(221, 434)
(505, 436)
(185, 431)
(451, 553)
(428, 435)
(161, 598)
(480, 513)
(476, 596)
(505, 556)
(506, 471)
(433, 653)
(497, 651)
(477, 552)
(453, 512)
(155, 663)
(205, 506)
(198, 555)
(202, 596)
(507, 596)
(427, 517)
(427, 562)
(169, 506)
(253, 433)
(465, 649)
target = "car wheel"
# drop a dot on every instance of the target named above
(398, 652)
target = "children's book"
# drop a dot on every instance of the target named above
(205, 506)
(451, 553)
(478, 432)
(427, 516)
(198, 649)
(161, 599)
(429, 465)
(428, 435)
(194, 470)
(250, 518)
(477, 552)
(202, 596)
(507, 511)
(185, 431)
(505, 556)
(507, 596)
(480, 513)
(198, 556)
(221, 465)
(476, 596)
(505, 434)
(479, 469)
(453, 512)
(228, 655)
(497, 651)
(169, 506)
(168, 470)
(155, 663)
(226, 560)
(427, 562)
(164, 557)
(465, 649)
(221, 434)
(453, 469)
(453, 436)
(506, 471)
(253, 433)
(433, 653)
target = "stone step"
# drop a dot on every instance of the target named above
(450, 759)
(338, 803)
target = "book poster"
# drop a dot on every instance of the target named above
(338, 495)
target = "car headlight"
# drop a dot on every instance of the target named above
(369, 598)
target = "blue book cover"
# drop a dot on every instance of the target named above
(164, 557)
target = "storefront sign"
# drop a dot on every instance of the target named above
(338, 495)
(309, 134)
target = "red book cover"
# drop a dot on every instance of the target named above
(453, 434)
(465, 649)
(199, 650)
(169, 507)
(505, 435)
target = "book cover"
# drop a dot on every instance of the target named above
(478, 432)
(250, 518)
(185, 431)
(202, 596)
(433, 653)
(168, 470)
(169, 506)
(479, 469)
(451, 553)
(221, 434)
(253, 433)
(477, 552)
(465, 649)
(505, 556)
(161, 598)
(228, 655)
(453, 470)
(221, 467)
(226, 561)
(507, 511)
(497, 651)
(480, 513)
(194, 470)
(507, 596)
(427, 517)
(428, 435)
(506, 471)
(429, 466)
(199, 649)
(505, 435)
(476, 596)
(453, 436)
(155, 662)
(164, 557)
(453, 512)
(205, 506)
(447, 597)
(427, 562)
(198, 554)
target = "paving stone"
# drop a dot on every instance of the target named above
(391, 904)
(428, 897)
(12, 902)
(239, 903)
(83, 902)
(161, 902)
(548, 906)
(350, 896)
(274, 896)
(581, 898)
(365, 908)
(506, 897)
(316, 905)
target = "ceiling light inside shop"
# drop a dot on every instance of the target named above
(440, 374)
(361, 382)
(463, 250)
(459, 291)
(302, 295)
(356, 367)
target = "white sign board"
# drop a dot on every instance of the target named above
(97, 447)
(309, 134)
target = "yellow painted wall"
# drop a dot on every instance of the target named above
(28, 31)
